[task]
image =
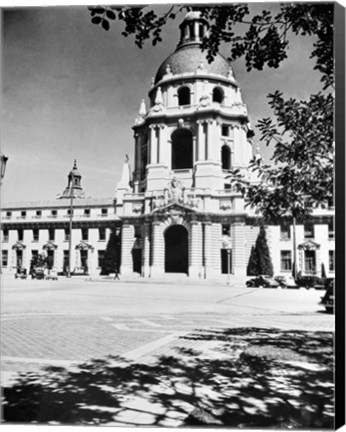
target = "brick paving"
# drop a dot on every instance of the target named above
(38, 335)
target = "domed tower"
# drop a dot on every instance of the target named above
(196, 127)
(73, 184)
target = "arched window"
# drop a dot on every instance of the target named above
(184, 96)
(218, 95)
(182, 149)
(226, 157)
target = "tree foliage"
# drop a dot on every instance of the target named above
(260, 262)
(40, 260)
(262, 38)
(301, 176)
(111, 259)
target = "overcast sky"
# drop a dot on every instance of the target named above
(72, 91)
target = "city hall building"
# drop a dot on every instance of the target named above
(175, 212)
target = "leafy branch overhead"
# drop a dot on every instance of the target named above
(261, 39)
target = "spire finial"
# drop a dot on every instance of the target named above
(75, 164)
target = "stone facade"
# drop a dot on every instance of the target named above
(176, 213)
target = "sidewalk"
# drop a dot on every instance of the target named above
(237, 376)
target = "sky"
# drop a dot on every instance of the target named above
(71, 90)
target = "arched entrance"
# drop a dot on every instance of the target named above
(176, 250)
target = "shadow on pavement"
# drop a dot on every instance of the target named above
(249, 377)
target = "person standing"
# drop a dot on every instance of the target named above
(116, 272)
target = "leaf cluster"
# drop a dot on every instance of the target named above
(302, 172)
(261, 39)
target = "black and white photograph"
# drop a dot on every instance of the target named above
(168, 229)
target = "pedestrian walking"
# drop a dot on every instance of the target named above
(116, 272)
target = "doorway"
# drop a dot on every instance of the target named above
(176, 249)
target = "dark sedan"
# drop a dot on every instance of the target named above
(262, 280)
(328, 300)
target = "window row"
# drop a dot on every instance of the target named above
(35, 253)
(309, 261)
(54, 213)
(51, 234)
(184, 95)
(309, 231)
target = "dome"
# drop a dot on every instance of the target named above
(186, 59)
(192, 15)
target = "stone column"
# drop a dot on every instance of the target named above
(206, 129)
(207, 249)
(153, 146)
(215, 246)
(239, 258)
(195, 253)
(158, 251)
(158, 142)
(196, 24)
(127, 239)
(200, 142)
(146, 250)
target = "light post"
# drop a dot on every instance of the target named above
(70, 227)
(228, 266)
(4, 160)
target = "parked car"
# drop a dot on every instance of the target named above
(37, 273)
(51, 275)
(20, 274)
(328, 300)
(311, 282)
(286, 281)
(262, 280)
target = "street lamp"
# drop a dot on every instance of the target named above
(3, 165)
(228, 266)
(70, 227)
(226, 245)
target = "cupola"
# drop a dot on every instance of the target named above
(73, 184)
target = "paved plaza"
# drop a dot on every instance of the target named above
(68, 322)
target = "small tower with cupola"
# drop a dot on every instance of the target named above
(74, 186)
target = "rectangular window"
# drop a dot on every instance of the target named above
(104, 212)
(310, 261)
(38, 213)
(309, 230)
(86, 212)
(102, 234)
(4, 258)
(331, 233)
(51, 234)
(5, 235)
(226, 229)
(23, 213)
(54, 213)
(225, 130)
(20, 235)
(285, 232)
(331, 260)
(35, 235)
(286, 261)
(100, 257)
(66, 260)
(34, 254)
(85, 234)
(67, 234)
(69, 212)
(8, 214)
(138, 231)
